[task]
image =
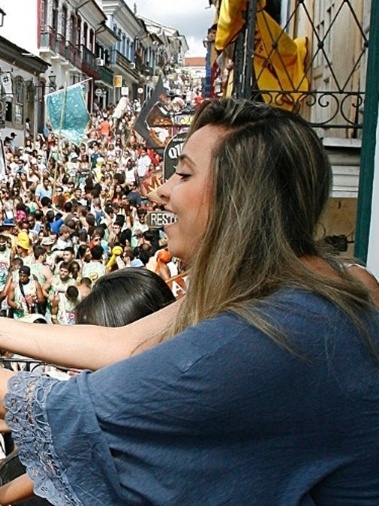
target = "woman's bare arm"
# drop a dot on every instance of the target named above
(19, 489)
(85, 346)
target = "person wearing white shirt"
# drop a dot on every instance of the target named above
(143, 162)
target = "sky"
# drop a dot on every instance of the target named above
(191, 18)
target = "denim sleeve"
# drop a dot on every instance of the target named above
(60, 442)
(26, 418)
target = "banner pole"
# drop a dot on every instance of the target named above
(60, 131)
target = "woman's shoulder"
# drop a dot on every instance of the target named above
(364, 276)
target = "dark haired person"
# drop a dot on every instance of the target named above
(95, 268)
(25, 294)
(123, 296)
(63, 306)
(264, 388)
(117, 299)
(41, 270)
(43, 190)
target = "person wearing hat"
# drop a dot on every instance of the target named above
(23, 247)
(72, 165)
(51, 255)
(25, 294)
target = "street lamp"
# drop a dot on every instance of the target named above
(52, 81)
(2, 15)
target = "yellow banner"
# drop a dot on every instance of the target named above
(279, 62)
(230, 22)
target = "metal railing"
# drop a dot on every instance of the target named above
(336, 92)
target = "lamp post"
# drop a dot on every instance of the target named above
(52, 81)
(40, 92)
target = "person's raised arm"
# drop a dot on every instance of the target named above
(85, 346)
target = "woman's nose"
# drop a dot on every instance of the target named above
(162, 194)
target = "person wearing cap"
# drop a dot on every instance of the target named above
(41, 162)
(23, 247)
(25, 294)
(47, 241)
(72, 165)
(51, 255)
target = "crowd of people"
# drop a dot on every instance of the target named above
(69, 214)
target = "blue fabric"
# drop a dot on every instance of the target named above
(56, 225)
(68, 113)
(218, 415)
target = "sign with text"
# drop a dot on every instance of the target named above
(158, 219)
(178, 284)
(171, 154)
(117, 81)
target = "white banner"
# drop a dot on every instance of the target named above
(6, 82)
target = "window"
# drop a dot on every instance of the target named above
(19, 98)
(91, 40)
(85, 35)
(73, 29)
(44, 14)
(55, 16)
(64, 22)
(79, 32)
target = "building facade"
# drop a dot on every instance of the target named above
(101, 43)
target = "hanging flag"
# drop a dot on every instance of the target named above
(67, 112)
(279, 63)
(230, 22)
(279, 60)
(6, 85)
(155, 120)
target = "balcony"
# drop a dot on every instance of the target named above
(48, 40)
(89, 66)
(61, 48)
(121, 61)
(73, 55)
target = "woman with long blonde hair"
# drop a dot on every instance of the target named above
(260, 386)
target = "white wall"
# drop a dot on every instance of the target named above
(373, 247)
(20, 24)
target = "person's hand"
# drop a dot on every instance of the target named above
(29, 299)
